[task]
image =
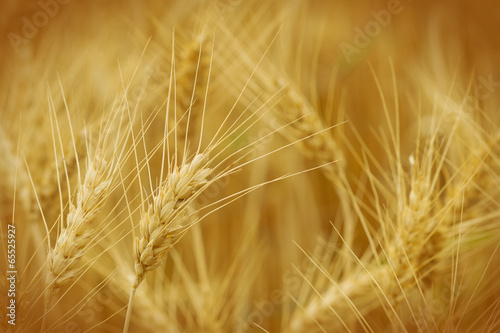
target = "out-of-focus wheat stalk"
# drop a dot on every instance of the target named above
(424, 229)
(191, 76)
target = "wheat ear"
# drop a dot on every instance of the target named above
(74, 240)
(167, 218)
(295, 109)
(191, 76)
(408, 257)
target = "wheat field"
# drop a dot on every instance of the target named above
(249, 166)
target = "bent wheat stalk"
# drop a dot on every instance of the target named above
(167, 219)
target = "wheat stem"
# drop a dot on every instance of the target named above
(129, 310)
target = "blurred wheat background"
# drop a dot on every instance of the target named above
(250, 166)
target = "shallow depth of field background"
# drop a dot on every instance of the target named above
(411, 71)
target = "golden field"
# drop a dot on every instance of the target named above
(249, 166)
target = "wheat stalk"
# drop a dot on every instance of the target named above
(190, 80)
(167, 218)
(77, 236)
(409, 252)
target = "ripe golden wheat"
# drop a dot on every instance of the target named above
(249, 166)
